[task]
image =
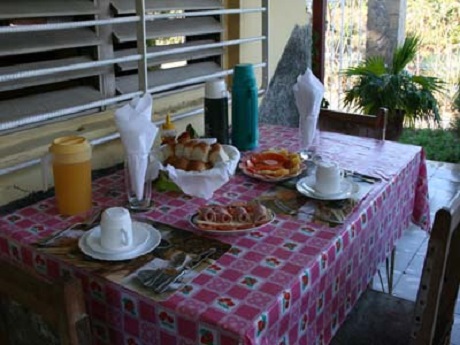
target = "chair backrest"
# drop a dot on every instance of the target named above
(437, 294)
(60, 304)
(369, 126)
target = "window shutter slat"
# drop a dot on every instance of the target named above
(48, 79)
(42, 41)
(56, 94)
(128, 6)
(23, 107)
(199, 54)
(168, 28)
(127, 84)
(43, 8)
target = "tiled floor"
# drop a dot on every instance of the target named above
(444, 182)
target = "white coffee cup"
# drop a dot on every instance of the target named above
(328, 177)
(116, 229)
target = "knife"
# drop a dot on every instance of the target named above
(365, 178)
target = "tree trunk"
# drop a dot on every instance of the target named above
(395, 126)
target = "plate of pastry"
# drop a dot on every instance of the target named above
(233, 219)
(273, 165)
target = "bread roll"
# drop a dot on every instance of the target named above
(196, 166)
(188, 148)
(179, 150)
(171, 161)
(181, 163)
(217, 154)
(183, 138)
(167, 151)
(200, 152)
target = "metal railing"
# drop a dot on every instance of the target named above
(142, 56)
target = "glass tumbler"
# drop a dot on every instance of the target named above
(139, 195)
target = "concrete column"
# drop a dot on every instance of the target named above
(386, 26)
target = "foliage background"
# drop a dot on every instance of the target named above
(435, 21)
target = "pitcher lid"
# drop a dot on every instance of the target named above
(69, 144)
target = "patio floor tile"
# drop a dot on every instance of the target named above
(443, 184)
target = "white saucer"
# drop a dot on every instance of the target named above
(145, 239)
(140, 236)
(306, 186)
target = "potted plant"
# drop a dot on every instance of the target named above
(407, 97)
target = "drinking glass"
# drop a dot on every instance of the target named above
(309, 145)
(145, 201)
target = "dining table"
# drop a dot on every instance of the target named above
(291, 281)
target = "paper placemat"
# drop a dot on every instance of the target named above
(284, 199)
(174, 240)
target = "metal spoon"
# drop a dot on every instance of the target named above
(194, 262)
(87, 225)
(152, 278)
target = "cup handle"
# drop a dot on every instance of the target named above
(124, 237)
(45, 163)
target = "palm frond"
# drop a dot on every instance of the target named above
(405, 53)
(374, 85)
(430, 83)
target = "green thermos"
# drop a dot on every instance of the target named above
(245, 108)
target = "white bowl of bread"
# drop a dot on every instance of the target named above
(197, 166)
(194, 154)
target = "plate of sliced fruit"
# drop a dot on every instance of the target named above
(236, 218)
(273, 165)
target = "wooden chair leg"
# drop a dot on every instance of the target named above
(390, 265)
(381, 280)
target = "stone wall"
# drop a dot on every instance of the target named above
(385, 27)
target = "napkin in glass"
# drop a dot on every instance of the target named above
(137, 132)
(308, 95)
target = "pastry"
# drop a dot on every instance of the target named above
(217, 154)
(196, 166)
(171, 161)
(238, 216)
(222, 215)
(168, 151)
(259, 213)
(179, 150)
(200, 152)
(208, 214)
(241, 214)
(188, 148)
(181, 163)
(192, 155)
(183, 138)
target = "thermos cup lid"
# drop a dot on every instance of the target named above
(215, 89)
(243, 73)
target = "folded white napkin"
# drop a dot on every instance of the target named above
(137, 132)
(308, 94)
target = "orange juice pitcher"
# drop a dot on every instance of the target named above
(70, 158)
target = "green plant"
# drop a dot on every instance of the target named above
(455, 120)
(439, 144)
(394, 87)
(456, 101)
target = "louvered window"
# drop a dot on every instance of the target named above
(67, 58)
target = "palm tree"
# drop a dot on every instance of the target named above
(407, 97)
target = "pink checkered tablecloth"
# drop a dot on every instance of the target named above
(286, 283)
